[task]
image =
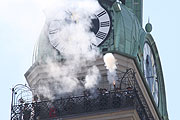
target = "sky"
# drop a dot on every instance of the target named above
(21, 22)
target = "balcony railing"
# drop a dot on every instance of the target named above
(118, 98)
(77, 105)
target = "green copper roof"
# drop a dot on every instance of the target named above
(127, 35)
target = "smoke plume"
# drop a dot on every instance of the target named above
(110, 63)
(92, 77)
(75, 38)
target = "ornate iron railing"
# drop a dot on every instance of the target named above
(124, 96)
(81, 104)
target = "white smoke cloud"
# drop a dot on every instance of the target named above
(76, 39)
(92, 77)
(110, 63)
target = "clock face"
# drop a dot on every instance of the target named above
(100, 27)
(150, 71)
(54, 28)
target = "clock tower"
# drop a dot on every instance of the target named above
(138, 90)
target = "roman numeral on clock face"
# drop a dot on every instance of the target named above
(101, 13)
(101, 35)
(105, 24)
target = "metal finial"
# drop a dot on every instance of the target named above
(148, 19)
(148, 26)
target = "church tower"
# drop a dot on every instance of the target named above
(137, 90)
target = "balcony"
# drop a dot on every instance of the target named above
(126, 96)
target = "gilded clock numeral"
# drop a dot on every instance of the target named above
(105, 24)
(101, 35)
(101, 13)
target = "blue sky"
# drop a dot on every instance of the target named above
(22, 20)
